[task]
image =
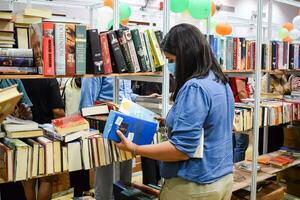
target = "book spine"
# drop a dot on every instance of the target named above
(296, 56)
(148, 49)
(24, 53)
(139, 49)
(132, 52)
(158, 57)
(125, 49)
(291, 57)
(60, 49)
(147, 60)
(107, 67)
(80, 49)
(48, 49)
(36, 35)
(94, 56)
(235, 49)
(243, 53)
(16, 61)
(119, 62)
(21, 70)
(70, 50)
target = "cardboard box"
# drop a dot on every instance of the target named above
(270, 191)
(292, 137)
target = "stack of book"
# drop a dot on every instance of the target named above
(243, 117)
(17, 61)
(6, 27)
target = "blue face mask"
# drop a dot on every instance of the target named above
(171, 68)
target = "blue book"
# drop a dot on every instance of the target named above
(139, 131)
(229, 54)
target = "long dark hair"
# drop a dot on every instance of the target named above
(194, 58)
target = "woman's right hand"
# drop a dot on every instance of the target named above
(162, 121)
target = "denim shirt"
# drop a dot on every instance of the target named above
(201, 104)
(101, 88)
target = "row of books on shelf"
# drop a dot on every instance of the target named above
(272, 113)
(238, 53)
(70, 49)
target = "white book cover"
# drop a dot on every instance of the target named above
(60, 49)
(74, 156)
(132, 51)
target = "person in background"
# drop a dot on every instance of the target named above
(240, 90)
(101, 89)
(203, 104)
(47, 105)
(15, 190)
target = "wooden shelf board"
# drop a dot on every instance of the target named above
(22, 76)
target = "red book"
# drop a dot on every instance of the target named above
(235, 53)
(105, 53)
(70, 124)
(70, 50)
(7, 162)
(48, 48)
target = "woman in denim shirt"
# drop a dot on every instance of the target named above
(203, 110)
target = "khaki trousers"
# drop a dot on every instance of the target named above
(180, 189)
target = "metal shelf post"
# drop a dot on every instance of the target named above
(116, 85)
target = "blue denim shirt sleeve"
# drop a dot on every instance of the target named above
(191, 110)
(90, 89)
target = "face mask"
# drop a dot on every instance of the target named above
(171, 68)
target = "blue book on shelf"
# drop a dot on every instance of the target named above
(229, 53)
(215, 48)
(139, 131)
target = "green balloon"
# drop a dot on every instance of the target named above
(199, 9)
(283, 32)
(125, 11)
(178, 6)
(110, 24)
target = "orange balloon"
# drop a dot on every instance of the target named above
(224, 29)
(213, 8)
(124, 22)
(287, 39)
(108, 3)
(289, 26)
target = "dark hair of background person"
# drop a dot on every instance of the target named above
(194, 57)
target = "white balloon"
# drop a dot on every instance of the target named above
(294, 34)
(102, 16)
(296, 22)
(185, 17)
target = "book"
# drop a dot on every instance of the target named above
(138, 130)
(22, 19)
(37, 12)
(20, 157)
(18, 70)
(95, 151)
(139, 49)
(80, 49)
(94, 57)
(60, 48)
(35, 156)
(74, 156)
(95, 110)
(159, 36)
(70, 50)
(65, 164)
(246, 167)
(70, 124)
(16, 61)
(155, 49)
(132, 52)
(107, 67)
(9, 97)
(49, 157)
(125, 49)
(85, 153)
(41, 164)
(6, 162)
(281, 160)
(12, 123)
(23, 53)
(48, 48)
(57, 165)
(22, 38)
(148, 48)
(6, 15)
(35, 32)
(24, 134)
(118, 62)
(7, 26)
(7, 36)
(147, 60)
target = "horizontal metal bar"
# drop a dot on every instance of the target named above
(290, 2)
(155, 79)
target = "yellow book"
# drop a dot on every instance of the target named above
(158, 58)
(37, 12)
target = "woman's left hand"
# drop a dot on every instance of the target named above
(125, 144)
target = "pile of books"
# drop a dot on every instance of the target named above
(6, 28)
(238, 53)
(243, 117)
(19, 61)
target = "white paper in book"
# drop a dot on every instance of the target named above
(130, 108)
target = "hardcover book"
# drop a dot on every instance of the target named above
(70, 50)
(139, 131)
(48, 48)
(80, 49)
(36, 35)
(229, 57)
(94, 56)
(6, 163)
(107, 67)
(139, 49)
(147, 60)
(119, 65)
(16, 61)
(155, 49)
(133, 53)
(60, 48)
(125, 49)
(150, 55)
(23, 53)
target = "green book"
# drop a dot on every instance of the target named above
(139, 49)
(80, 49)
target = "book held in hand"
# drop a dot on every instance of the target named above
(139, 131)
